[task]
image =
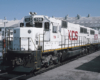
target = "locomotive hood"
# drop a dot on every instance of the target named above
(26, 38)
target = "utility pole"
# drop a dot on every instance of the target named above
(5, 21)
(4, 39)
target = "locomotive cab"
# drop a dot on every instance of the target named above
(30, 34)
(28, 41)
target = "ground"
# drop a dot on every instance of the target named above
(85, 68)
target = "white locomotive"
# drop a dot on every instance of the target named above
(57, 33)
(42, 40)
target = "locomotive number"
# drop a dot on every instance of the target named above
(96, 37)
(54, 37)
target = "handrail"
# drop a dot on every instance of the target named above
(39, 39)
(34, 44)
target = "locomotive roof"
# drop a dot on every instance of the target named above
(86, 21)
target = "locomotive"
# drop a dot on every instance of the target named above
(41, 41)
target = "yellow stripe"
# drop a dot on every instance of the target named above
(35, 62)
(96, 43)
(67, 47)
(37, 68)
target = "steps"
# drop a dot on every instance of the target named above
(1, 48)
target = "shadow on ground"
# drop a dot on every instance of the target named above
(93, 65)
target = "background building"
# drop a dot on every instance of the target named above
(93, 22)
(88, 21)
(9, 24)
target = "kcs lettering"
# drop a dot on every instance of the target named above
(71, 33)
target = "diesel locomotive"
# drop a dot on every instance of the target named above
(41, 41)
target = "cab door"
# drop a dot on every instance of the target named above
(46, 31)
(55, 33)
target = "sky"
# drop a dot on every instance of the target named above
(59, 8)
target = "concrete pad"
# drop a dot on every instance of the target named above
(69, 71)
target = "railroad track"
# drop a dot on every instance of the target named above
(14, 76)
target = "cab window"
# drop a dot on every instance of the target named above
(54, 29)
(46, 26)
(64, 24)
(92, 32)
(38, 24)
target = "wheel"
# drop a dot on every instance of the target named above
(81, 52)
(86, 51)
(50, 62)
(47, 64)
(59, 57)
(56, 62)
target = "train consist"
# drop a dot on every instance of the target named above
(41, 41)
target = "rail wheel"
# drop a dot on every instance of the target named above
(60, 57)
(47, 64)
(86, 51)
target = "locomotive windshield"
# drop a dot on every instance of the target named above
(38, 24)
(38, 19)
(28, 22)
(28, 19)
